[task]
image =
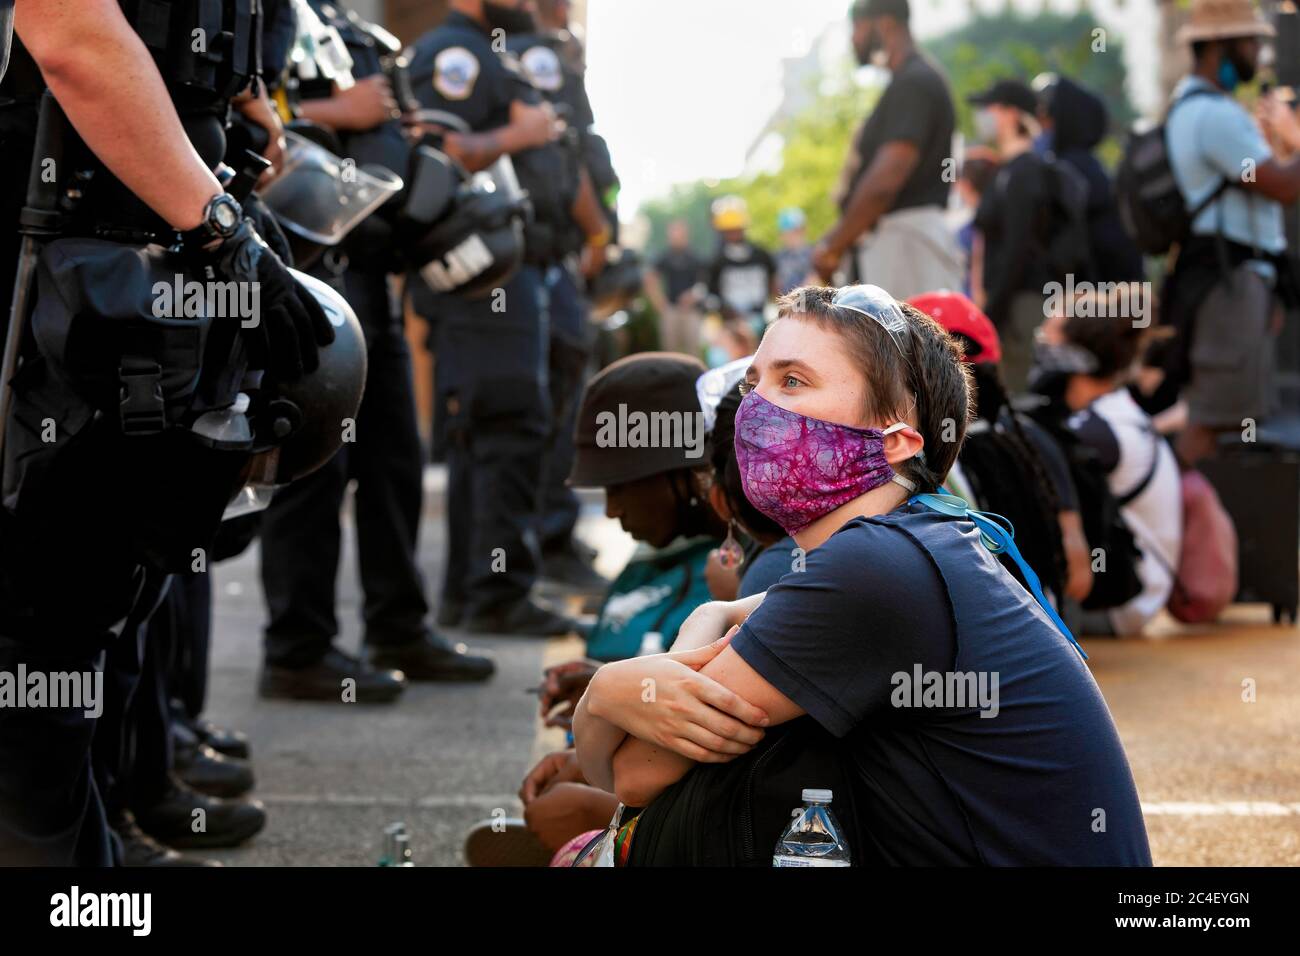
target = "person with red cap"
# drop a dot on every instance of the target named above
(1008, 464)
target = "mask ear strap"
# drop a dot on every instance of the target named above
(907, 483)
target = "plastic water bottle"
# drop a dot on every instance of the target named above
(813, 836)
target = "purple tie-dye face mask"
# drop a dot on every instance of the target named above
(796, 469)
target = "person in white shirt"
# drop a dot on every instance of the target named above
(1142, 472)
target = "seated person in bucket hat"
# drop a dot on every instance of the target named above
(640, 436)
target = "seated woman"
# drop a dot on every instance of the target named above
(843, 423)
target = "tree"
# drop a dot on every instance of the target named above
(818, 140)
(989, 48)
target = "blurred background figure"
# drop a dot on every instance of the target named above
(977, 171)
(1074, 121)
(794, 258)
(743, 274)
(1011, 216)
(675, 286)
(893, 190)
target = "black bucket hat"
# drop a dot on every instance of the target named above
(645, 383)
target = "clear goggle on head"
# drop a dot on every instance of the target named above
(879, 306)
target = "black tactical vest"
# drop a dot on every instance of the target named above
(206, 48)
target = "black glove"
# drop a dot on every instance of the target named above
(268, 228)
(291, 326)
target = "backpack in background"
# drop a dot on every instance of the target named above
(1068, 244)
(653, 594)
(1205, 581)
(1151, 206)
(1103, 523)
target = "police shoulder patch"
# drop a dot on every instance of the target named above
(455, 70)
(542, 67)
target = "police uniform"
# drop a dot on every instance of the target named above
(81, 538)
(546, 61)
(160, 677)
(301, 531)
(492, 378)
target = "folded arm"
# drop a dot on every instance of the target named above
(645, 722)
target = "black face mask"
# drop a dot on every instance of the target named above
(1245, 66)
(510, 19)
(1054, 366)
(868, 50)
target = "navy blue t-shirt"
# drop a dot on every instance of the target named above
(890, 610)
(767, 567)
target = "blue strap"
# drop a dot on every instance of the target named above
(998, 536)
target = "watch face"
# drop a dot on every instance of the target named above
(225, 215)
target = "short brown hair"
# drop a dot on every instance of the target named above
(932, 373)
(1100, 322)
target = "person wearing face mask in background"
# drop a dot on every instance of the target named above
(893, 190)
(1231, 272)
(1011, 219)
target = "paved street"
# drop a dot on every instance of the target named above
(1219, 777)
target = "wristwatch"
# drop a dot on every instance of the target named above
(221, 218)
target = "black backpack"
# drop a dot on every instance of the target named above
(732, 814)
(1103, 524)
(1068, 240)
(1151, 205)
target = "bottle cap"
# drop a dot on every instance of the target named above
(817, 796)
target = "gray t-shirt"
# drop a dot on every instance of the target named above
(1212, 137)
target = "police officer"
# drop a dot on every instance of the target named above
(301, 532)
(549, 60)
(82, 550)
(492, 352)
(156, 761)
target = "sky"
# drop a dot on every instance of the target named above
(680, 88)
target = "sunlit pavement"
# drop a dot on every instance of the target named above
(1219, 777)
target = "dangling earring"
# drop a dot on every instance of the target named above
(730, 553)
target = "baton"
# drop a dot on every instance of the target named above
(39, 220)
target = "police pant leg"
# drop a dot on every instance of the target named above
(188, 610)
(301, 541)
(387, 463)
(570, 349)
(496, 380)
(51, 789)
(132, 750)
(51, 813)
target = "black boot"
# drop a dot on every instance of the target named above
(324, 680)
(524, 618)
(222, 823)
(566, 570)
(140, 849)
(432, 658)
(232, 743)
(213, 773)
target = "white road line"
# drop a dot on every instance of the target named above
(1230, 808)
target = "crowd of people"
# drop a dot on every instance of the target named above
(932, 442)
